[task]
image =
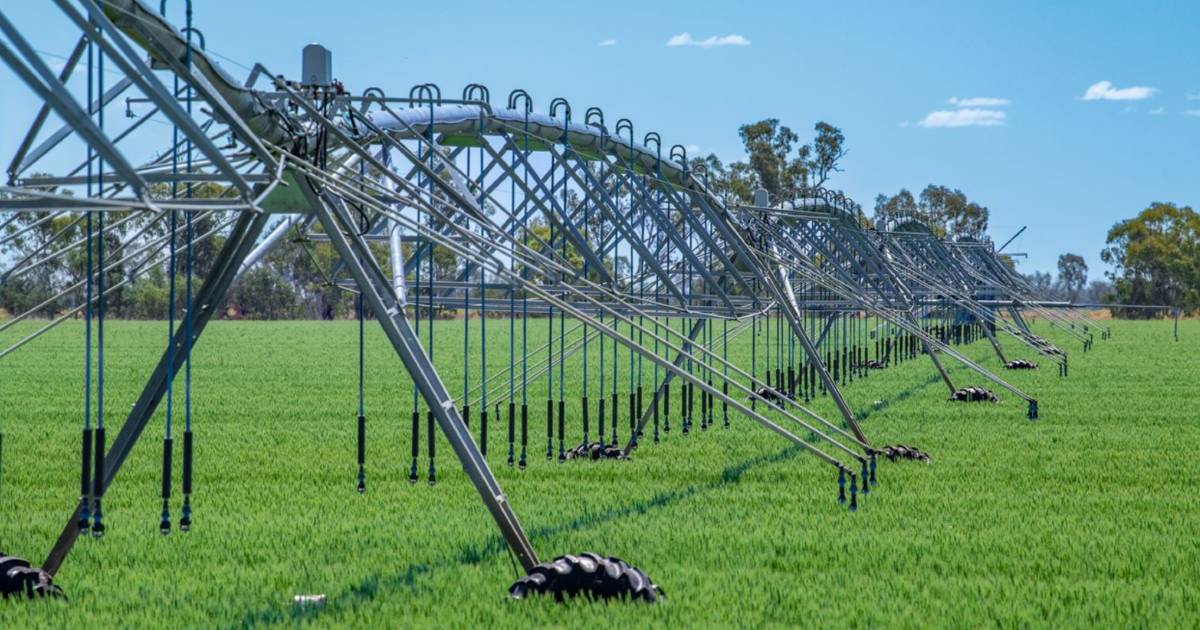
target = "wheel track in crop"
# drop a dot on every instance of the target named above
(406, 580)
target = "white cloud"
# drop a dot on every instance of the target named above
(1158, 111)
(979, 101)
(904, 124)
(685, 39)
(1105, 91)
(1194, 97)
(964, 117)
(1192, 112)
(608, 42)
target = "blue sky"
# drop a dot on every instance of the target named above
(1020, 137)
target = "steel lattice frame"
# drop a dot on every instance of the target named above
(352, 170)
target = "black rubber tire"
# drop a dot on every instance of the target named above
(19, 579)
(588, 575)
(596, 451)
(902, 451)
(8, 562)
(974, 394)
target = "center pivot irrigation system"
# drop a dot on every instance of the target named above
(639, 253)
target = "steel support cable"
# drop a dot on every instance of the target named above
(157, 169)
(114, 204)
(139, 71)
(18, 271)
(986, 312)
(851, 293)
(130, 276)
(630, 310)
(447, 164)
(803, 265)
(538, 253)
(938, 345)
(550, 247)
(496, 391)
(845, 264)
(563, 304)
(6, 276)
(71, 61)
(28, 228)
(436, 200)
(1030, 303)
(158, 241)
(964, 301)
(978, 310)
(616, 167)
(432, 209)
(505, 372)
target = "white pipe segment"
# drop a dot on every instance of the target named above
(464, 120)
(269, 242)
(396, 255)
(159, 38)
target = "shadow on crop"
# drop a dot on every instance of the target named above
(471, 554)
(863, 414)
(406, 580)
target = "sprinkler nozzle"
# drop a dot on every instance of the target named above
(841, 486)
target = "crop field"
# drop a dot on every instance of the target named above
(1087, 516)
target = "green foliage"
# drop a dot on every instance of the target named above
(1082, 518)
(889, 210)
(948, 213)
(130, 237)
(1156, 258)
(262, 294)
(149, 299)
(1072, 274)
(776, 162)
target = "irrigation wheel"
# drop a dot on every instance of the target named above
(19, 579)
(589, 575)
